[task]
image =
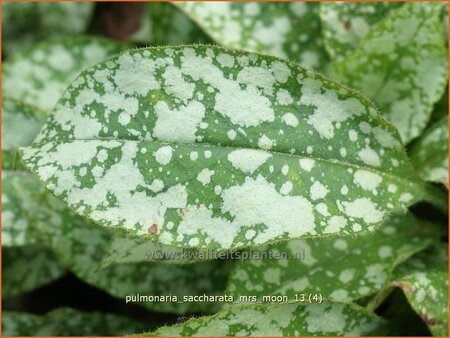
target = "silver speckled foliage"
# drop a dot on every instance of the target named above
(226, 169)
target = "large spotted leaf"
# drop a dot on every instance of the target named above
(81, 247)
(345, 24)
(424, 280)
(287, 30)
(430, 154)
(39, 75)
(123, 249)
(402, 65)
(165, 24)
(216, 149)
(24, 23)
(281, 320)
(340, 269)
(67, 322)
(28, 267)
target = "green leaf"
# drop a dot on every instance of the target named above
(429, 154)
(25, 23)
(345, 24)
(39, 75)
(340, 269)
(67, 322)
(280, 320)
(424, 280)
(26, 268)
(117, 151)
(165, 24)
(81, 247)
(402, 65)
(287, 30)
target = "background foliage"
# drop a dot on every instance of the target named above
(335, 114)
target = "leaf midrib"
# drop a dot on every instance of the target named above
(414, 179)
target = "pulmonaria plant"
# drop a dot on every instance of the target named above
(156, 167)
